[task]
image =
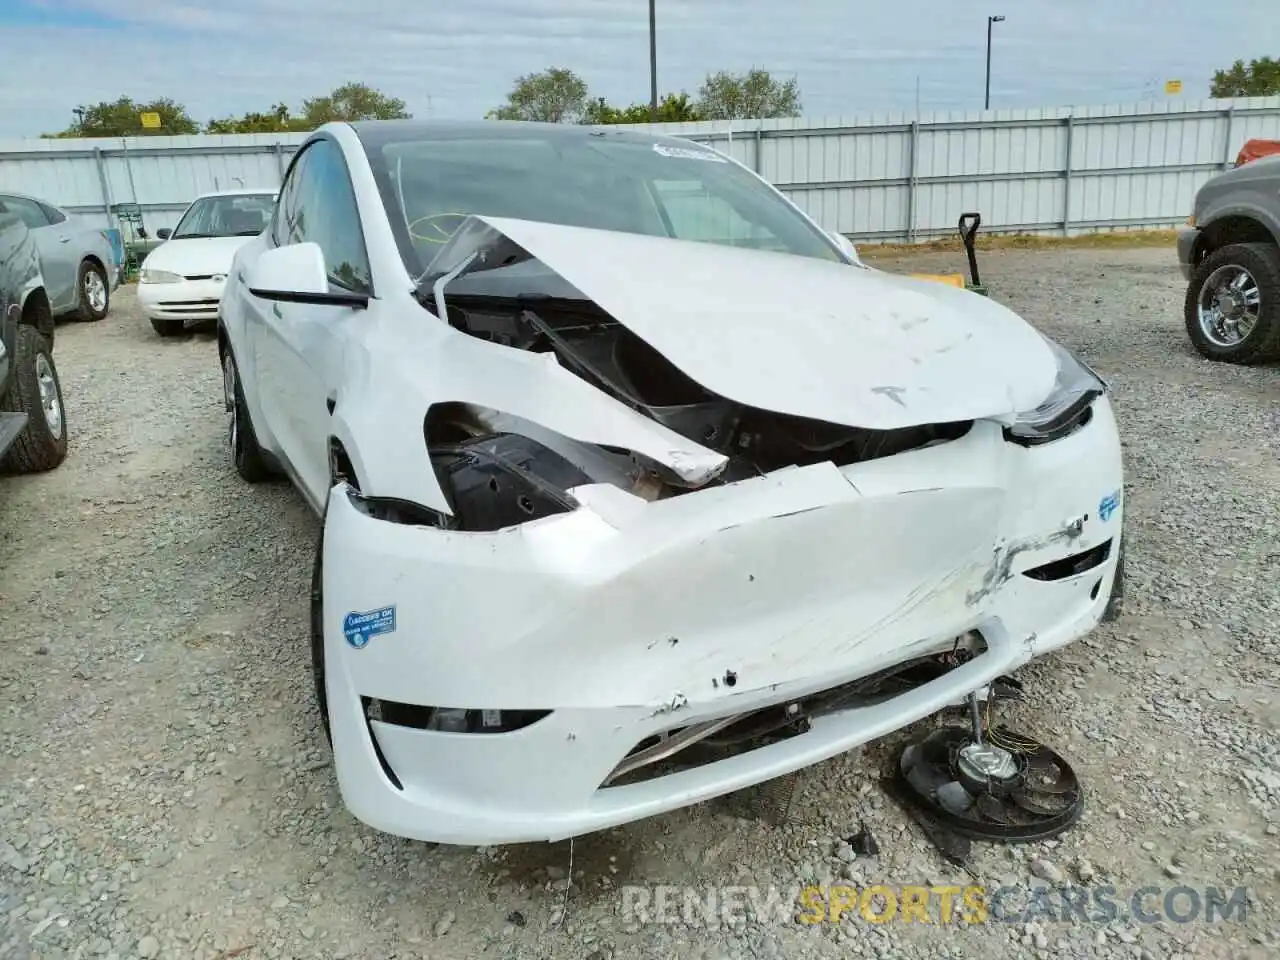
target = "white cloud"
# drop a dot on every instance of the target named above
(457, 58)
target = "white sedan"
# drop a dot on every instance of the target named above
(183, 278)
(637, 489)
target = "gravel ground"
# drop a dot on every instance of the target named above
(165, 790)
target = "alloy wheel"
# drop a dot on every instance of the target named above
(50, 403)
(95, 291)
(1229, 305)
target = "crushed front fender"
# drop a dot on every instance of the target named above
(624, 619)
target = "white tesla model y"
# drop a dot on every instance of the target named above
(637, 487)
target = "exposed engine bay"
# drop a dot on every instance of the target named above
(510, 477)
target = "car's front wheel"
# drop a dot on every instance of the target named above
(317, 635)
(34, 389)
(1232, 307)
(249, 458)
(95, 293)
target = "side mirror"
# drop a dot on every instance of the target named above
(297, 274)
(845, 244)
(164, 233)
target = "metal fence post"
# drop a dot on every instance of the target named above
(1226, 138)
(278, 149)
(128, 166)
(1066, 180)
(106, 189)
(759, 160)
(912, 177)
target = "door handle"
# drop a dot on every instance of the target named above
(275, 309)
(64, 239)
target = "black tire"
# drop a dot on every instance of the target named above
(1262, 345)
(317, 636)
(39, 446)
(1114, 609)
(249, 459)
(91, 273)
(168, 326)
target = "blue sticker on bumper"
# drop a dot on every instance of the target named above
(1108, 505)
(359, 628)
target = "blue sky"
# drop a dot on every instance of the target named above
(35, 13)
(457, 58)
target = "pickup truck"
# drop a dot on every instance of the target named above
(33, 424)
(1229, 252)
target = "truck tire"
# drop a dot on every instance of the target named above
(1240, 281)
(34, 389)
(95, 292)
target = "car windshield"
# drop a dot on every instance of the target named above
(239, 215)
(604, 181)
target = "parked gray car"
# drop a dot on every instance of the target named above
(76, 257)
(33, 425)
(1229, 252)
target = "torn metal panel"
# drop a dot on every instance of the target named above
(807, 337)
(443, 367)
(495, 291)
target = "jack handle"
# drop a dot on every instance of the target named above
(967, 234)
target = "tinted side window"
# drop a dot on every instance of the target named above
(287, 203)
(27, 210)
(53, 213)
(325, 212)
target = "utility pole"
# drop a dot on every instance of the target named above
(653, 63)
(990, 21)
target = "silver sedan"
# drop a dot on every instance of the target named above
(79, 265)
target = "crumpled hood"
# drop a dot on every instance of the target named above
(806, 337)
(197, 257)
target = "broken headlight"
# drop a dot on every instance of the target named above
(1068, 407)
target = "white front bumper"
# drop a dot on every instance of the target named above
(629, 622)
(187, 299)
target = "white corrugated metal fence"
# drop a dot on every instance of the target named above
(889, 177)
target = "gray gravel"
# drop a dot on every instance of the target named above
(165, 791)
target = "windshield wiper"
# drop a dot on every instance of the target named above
(515, 302)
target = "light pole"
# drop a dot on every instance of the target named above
(653, 64)
(990, 21)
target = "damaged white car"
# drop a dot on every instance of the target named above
(637, 488)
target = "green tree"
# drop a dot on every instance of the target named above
(277, 120)
(753, 95)
(1258, 78)
(556, 95)
(352, 101)
(123, 118)
(673, 108)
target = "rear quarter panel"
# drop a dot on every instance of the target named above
(95, 244)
